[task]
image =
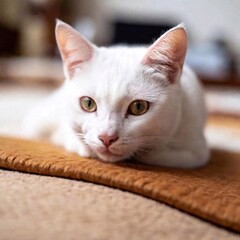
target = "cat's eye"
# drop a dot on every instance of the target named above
(88, 104)
(138, 107)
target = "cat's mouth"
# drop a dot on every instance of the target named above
(107, 152)
(108, 156)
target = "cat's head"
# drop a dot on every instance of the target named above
(122, 101)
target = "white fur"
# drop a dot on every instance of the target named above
(170, 133)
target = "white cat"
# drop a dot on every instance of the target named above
(123, 102)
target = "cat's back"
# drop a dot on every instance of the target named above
(190, 83)
(192, 95)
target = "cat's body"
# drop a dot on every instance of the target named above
(123, 102)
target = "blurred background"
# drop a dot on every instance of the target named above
(30, 65)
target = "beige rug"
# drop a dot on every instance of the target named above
(35, 207)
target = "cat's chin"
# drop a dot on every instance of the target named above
(108, 156)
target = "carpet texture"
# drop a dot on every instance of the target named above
(49, 208)
(212, 192)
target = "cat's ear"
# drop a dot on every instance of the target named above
(74, 48)
(166, 55)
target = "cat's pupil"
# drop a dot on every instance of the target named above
(138, 106)
(89, 103)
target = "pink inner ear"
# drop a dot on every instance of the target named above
(167, 54)
(74, 48)
(74, 58)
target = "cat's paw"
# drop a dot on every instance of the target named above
(84, 152)
(79, 148)
(178, 158)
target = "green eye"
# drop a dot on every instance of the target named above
(88, 104)
(138, 107)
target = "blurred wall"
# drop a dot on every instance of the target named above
(206, 19)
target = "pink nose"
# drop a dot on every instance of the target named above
(108, 140)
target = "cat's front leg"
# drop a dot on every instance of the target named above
(66, 138)
(75, 145)
(78, 147)
(179, 158)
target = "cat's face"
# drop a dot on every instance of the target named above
(121, 101)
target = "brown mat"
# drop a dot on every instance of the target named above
(212, 192)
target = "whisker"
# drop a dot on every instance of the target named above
(153, 142)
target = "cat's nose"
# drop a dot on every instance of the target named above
(108, 140)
